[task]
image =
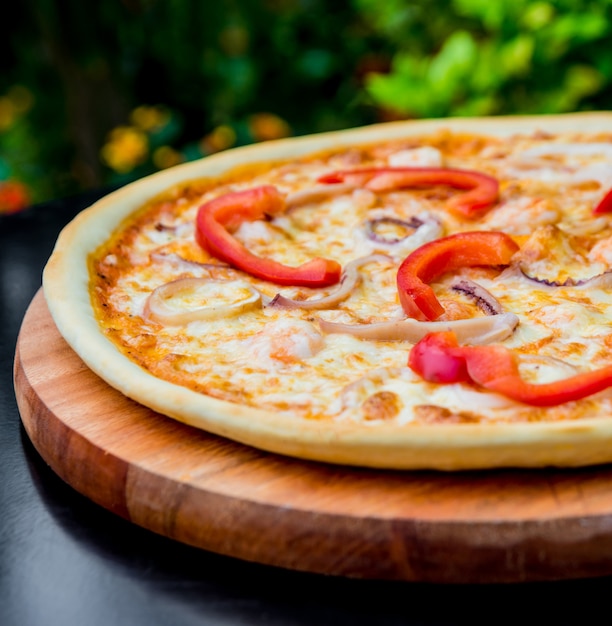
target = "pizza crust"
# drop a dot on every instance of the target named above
(454, 446)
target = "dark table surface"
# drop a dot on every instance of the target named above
(65, 561)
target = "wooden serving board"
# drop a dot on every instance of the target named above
(497, 526)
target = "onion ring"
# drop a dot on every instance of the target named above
(599, 281)
(425, 226)
(349, 281)
(412, 225)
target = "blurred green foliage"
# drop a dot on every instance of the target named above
(100, 93)
(480, 57)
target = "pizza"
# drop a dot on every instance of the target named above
(413, 295)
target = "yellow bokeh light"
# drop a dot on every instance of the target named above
(221, 138)
(267, 126)
(126, 148)
(149, 118)
(8, 114)
(166, 156)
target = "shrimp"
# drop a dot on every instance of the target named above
(521, 216)
(425, 156)
(285, 341)
(601, 252)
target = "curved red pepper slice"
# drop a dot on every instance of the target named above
(481, 190)
(605, 204)
(216, 218)
(447, 254)
(439, 358)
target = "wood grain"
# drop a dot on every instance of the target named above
(196, 488)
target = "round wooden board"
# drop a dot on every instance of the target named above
(497, 526)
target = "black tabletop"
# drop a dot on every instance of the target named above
(65, 561)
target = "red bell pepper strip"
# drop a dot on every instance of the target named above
(447, 254)
(439, 358)
(605, 204)
(481, 190)
(216, 218)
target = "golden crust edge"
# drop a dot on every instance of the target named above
(446, 447)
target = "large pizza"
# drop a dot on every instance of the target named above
(433, 294)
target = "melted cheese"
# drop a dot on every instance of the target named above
(278, 359)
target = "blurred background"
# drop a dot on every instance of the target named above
(95, 94)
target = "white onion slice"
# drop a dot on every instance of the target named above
(427, 227)
(586, 227)
(475, 331)
(484, 299)
(349, 281)
(599, 281)
(159, 308)
(409, 227)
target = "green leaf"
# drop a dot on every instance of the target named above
(581, 81)
(407, 64)
(451, 67)
(571, 30)
(516, 55)
(489, 12)
(488, 74)
(537, 15)
(399, 93)
(484, 105)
